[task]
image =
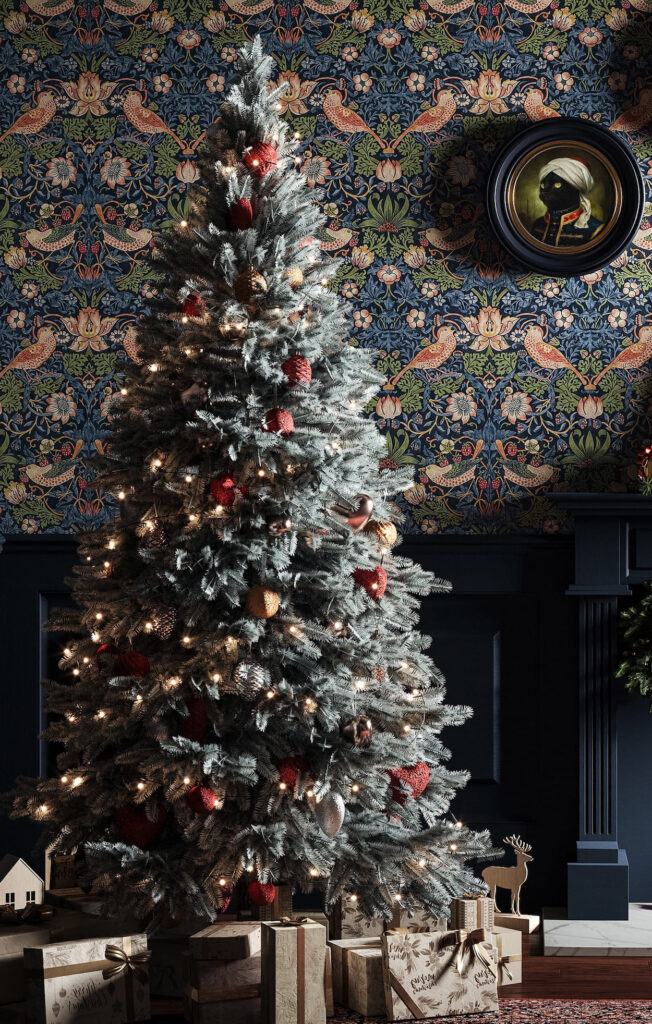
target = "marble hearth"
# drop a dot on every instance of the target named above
(562, 937)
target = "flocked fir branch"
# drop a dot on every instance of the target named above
(247, 694)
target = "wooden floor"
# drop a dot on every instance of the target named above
(580, 977)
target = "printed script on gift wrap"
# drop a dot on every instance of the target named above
(83, 997)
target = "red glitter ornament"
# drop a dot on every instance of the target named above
(131, 664)
(135, 827)
(195, 723)
(290, 767)
(278, 421)
(203, 800)
(260, 158)
(297, 370)
(105, 656)
(193, 305)
(416, 778)
(261, 894)
(240, 215)
(223, 489)
(374, 581)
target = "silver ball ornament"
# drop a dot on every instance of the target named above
(329, 813)
(251, 678)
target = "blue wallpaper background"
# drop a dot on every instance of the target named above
(401, 108)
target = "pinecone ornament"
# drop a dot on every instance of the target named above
(152, 535)
(251, 678)
(163, 621)
(297, 370)
(249, 285)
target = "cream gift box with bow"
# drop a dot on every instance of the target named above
(439, 974)
(293, 972)
(88, 981)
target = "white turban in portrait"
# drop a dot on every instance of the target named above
(577, 174)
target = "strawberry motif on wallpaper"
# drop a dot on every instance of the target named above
(500, 384)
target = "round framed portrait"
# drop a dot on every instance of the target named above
(565, 196)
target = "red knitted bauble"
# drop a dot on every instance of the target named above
(261, 894)
(131, 664)
(260, 158)
(374, 581)
(193, 305)
(135, 827)
(278, 421)
(297, 370)
(223, 490)
(201, 799)
(416, 778)
(195, 723)
(105, 656)
(289, 768)
(240, 215)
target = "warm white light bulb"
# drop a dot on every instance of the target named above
(453, 847)
(186, 639)
(188, 478)
(314, 873)
(95, 637)
(112, 545)
(282, 785)
(186, 780)
(64, 779)
(422, 862)
(67, 652)
(121, 495)
(141, 785)
(183, 223)
(99, 616)
(355, 788)
(407, 728)
(75, 671)
(77, 781)
(149, 627)
(153, 367)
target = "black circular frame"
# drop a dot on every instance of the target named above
(628, 186)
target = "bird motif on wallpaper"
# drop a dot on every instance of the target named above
(34, 355)
(546, 355)
(449, 241)
(347, 120)
(456, 473)
(49, 8)
(643, 238)
(131, 345)
(632, 357)
(55, 473)
(54, 238)
(339, 238)
(125, 239)
(147, 121)
(34, 121)
(636, 117)
(432, 120)
(520, 473)
(535, 108)
(432, 356)
(127, 7)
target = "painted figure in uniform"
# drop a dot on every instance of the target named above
(564, 186)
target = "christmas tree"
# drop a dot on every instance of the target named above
(247, 696)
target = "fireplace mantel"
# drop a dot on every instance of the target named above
(613, 550)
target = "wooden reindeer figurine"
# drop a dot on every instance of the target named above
(511, 878)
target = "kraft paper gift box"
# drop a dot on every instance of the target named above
(439, 974)
(364, 980)
(13, 939)
(293, 970)
(328, 983)
(222, 991)
(88, 981)
(348, 922)
(510, 956)
(340, 948)
(226, 940)
(472, 911)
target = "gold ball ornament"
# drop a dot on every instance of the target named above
(385, 532)
(293, 276)
(249, 285)
(262, 602)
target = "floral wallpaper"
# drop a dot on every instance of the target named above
(401, 106)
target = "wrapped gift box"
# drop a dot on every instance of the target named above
(13, 939)
(75, 924)
(293, 970)
(473, 911)
(510, 956)
(328, 983)
(340, 948)
(88, 981)
(226, 940)
(348, 922)
(222, 991)
(439, 974)
(364, 973)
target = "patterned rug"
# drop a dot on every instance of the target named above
(543, 1011)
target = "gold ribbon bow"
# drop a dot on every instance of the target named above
(470, 943)
(132, 962)
(295, 922)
